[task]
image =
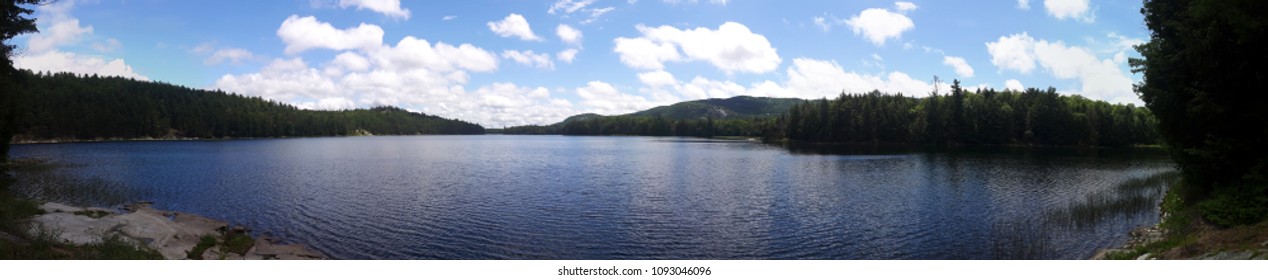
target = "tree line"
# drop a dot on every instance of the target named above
(964, 117)
(961, 117)
(79, 107)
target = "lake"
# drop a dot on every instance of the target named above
(560, 197)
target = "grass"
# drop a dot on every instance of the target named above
(238, 242)
(204, 243)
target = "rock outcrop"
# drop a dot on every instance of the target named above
(172, 234)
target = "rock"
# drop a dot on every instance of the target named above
(267, 247)
(172, 234)
(1229, 255)
(1146, 256)
(53, 207)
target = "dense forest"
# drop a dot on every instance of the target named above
(961, 117)
(66, 106)
(1204, 72)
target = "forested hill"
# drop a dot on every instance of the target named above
(961, 117)
(735, 114)
(65, 106)
(739, 107)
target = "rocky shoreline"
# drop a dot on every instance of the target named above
(174, 235)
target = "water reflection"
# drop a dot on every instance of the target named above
(552, 197)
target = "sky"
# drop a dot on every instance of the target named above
(509, 63)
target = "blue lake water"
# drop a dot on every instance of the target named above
(558, 197)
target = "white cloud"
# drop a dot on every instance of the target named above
(413, 53)
(1013, 52)
(450, 17)
(390, 8)
(58, 34)
(228, 55)
(331, 103)
(732, 47)
(658, 78)
(568, 34)
(514, 25)
(506, 104)
(58, 61)
(1101, 79)
(1023, 4)
(569, 6)
(60, 28)
(1069, 9)
(304, 33)
(529, 58)
(879, 25)
(1014, 85)
(351, 61)
(905, 6)
(962, 67)
(414, 74)
(823, 23)
(809, 78)
(567, 55)
(602, 98)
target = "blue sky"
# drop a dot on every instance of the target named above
(503, 63)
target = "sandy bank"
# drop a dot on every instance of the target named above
(172, 234)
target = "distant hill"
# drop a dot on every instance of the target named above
(718, 108)
(733, 117)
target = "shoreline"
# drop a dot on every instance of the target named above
(174, 235)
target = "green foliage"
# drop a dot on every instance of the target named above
(13, 22)
(67, 106)
(205, 242)
(985, 117)
(238, 242)
(1203, 69)
(1231, 207)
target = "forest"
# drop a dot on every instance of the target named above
(960, 117)
(67, 106)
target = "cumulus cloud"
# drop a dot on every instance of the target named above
(962, 67)
(603, 98)
(1069, 9)
(538, 60)
(809, 78)
(880, 25)
(60, 28)
(414, 74)
(514, 25)
(1101, 79)
(567, 55)
(1014, 85)
(568, 34)
(390, 8)
(1013, 52)
(58, 61)
(731, 48)
(304, 33)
